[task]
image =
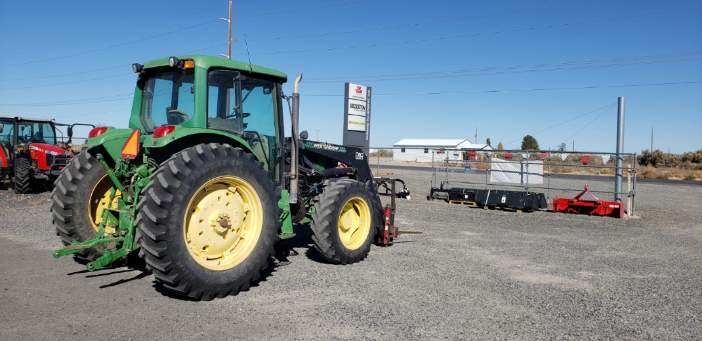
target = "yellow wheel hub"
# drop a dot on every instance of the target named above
(354, 223)
(100, 201)
(223, 222)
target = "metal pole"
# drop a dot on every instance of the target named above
(620, 146)
(651, 150)
(229, 31)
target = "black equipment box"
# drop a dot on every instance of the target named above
(491, 198)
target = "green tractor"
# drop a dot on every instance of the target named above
(204, 183)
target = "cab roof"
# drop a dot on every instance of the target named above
(207, 62)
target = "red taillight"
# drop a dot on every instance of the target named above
(163, 131)
(97, 131)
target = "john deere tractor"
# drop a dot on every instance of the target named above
(203, 183)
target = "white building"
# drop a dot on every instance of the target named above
(420, 150)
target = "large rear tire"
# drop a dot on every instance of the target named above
(344, 221)
(23, 176)
(76, 202)
(208, 222)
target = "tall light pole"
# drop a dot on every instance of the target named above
(228, 19)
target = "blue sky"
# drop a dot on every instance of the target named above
(438, 69)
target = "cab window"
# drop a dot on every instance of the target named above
(6, 132)
(36, 133)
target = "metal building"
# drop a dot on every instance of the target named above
(420, 150)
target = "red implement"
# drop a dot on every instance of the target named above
(587, 203)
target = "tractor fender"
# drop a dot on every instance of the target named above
(109, 144)
(162, 148)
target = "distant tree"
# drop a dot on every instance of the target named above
(488, 142)
(500, 146)
(655, 158)
(529, 143)
(562, 147)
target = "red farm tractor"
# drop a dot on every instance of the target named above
(31, 153)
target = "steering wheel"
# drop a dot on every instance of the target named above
(236, 115)
(175, 116)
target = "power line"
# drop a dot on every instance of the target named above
(466, 92)
(379, 44)
(542, 67)
(564, 122)
(120, 44)
(385, 27)
(587, 124)
(430, 93)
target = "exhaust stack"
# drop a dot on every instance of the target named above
(294, 148)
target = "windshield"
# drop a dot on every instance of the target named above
(167, 98)
(36, 132)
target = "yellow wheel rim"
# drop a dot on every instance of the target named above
(223, 222)
(100, 201)
(354, 223)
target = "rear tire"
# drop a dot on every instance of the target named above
(166, 220)
(70, 203)
(23, 176)
(328, 231)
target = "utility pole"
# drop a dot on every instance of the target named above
(573, 145)
(476, 136)
(229, 29)
(618, 174)
(651, 150)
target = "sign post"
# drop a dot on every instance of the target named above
(357, 105)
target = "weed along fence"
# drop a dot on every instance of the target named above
(572, 182)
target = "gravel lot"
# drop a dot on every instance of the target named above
(472, 274)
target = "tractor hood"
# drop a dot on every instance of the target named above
(48, 149)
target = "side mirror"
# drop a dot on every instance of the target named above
(2, 127)
(304, 135)
(69, 132)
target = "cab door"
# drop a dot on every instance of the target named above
(248, 106)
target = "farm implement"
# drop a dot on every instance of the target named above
(203, 183)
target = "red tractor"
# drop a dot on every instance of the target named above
(30, 152)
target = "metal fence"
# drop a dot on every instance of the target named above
(555, 173)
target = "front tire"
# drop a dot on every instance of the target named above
(23, 176)
(345, 221)
(208, 222)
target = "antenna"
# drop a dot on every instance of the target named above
(246, 44)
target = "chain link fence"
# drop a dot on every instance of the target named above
(554, 173)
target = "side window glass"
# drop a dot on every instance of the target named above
(221, 102)
(24, 133)
(258, 104)
(48, 134)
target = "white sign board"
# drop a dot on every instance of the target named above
(517, 172)
(357, 107)
(356, 123)
(357, 92)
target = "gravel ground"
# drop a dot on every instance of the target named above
(471, 274)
